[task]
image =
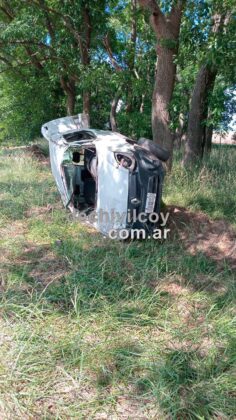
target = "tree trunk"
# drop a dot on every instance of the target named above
(132, 53)
(179, 132)
(197, 138)
(208, 142)
(86, 105)
(162, 94)
(70, 103)
(141, 108)
(70, 92)
(84, 43)
(198, 111)
(166, 28)
(114, 104)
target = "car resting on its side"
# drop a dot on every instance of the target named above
(110, 178)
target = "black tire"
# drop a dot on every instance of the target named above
(153, 148)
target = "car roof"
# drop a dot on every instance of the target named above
(62, 132)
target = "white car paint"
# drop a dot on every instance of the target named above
(112, 178)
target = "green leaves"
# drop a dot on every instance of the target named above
(38, 47)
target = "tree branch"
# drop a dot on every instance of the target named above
(152, 6)
(7, 12)
(14, 68)
(133, 34)
(25, 42)
(49, 25)
(65, 18)
(88, 32)
(157, 18)
(5, 60)
(67, 86)
(34, 59)
(175, 16)
(106, 44)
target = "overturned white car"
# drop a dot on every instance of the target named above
(106, 175)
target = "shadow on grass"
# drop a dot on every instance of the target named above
(86, 275)
(89, 275)
(189, 386)
(122, 363)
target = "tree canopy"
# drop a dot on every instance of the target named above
(118, 61)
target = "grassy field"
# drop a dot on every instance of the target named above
(92, 328)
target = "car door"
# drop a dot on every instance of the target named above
(112, 190)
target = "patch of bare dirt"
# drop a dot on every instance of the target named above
(216, 239)
(133, 408)
(36, 152)
(44, 266)
(175, 289)
(44, 212)
(40, 263)
(38, 211)
(129, 406)
(13, 229)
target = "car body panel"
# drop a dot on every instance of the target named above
(118, 189)
(112, 193)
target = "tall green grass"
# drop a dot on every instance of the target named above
(93, 328)
(210, 187)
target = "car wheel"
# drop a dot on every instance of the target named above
(153, 148)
